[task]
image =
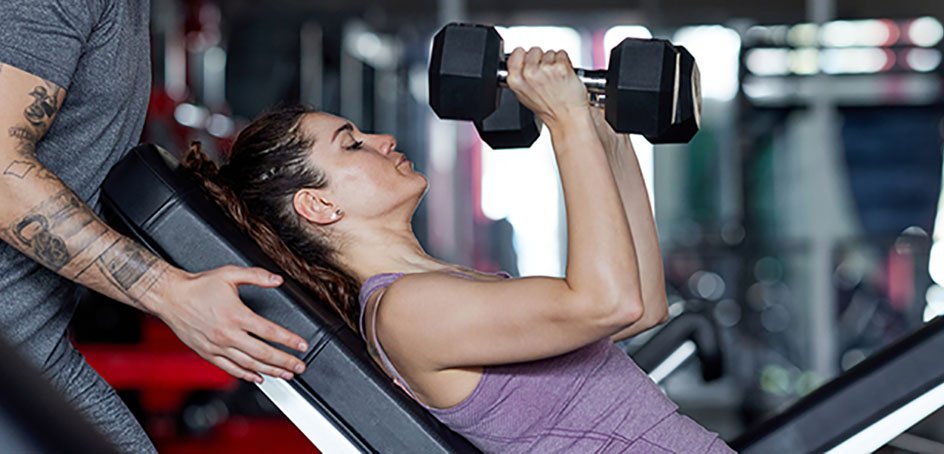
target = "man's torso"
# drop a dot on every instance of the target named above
(98, 50)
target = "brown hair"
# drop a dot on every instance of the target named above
(268, 164)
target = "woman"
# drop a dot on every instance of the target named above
(514, 365)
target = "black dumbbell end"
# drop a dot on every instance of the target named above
(463, 71)
(512, 125)
(687, 119)
(640, 86)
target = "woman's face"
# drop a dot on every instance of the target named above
(367, 177)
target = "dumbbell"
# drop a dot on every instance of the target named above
(642, 85)
(512, 125)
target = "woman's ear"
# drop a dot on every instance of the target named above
(311, 205)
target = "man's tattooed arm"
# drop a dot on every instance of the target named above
(64, 235)
(45, 220)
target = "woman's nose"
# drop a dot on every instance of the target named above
(387, 143)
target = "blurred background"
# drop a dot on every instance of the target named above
(801, 219)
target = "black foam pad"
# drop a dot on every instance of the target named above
(148, 196)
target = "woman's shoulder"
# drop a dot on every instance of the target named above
(384, 280)
(409, 287)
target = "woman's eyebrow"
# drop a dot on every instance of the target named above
(346, 127)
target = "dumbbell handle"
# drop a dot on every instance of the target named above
(593, 79)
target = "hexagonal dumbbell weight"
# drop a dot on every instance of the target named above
(463, 71)
(687, 118)
(640, 86)
(511, 125)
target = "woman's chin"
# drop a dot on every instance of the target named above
(422, 182)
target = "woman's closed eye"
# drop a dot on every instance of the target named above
(357, 145)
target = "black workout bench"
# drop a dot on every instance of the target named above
(342, 403)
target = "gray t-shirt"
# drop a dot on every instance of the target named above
(99, 52)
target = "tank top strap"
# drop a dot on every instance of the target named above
(370, 286)
(378, 284)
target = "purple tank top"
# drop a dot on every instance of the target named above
(593, 399)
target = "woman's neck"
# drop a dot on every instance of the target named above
(389, 251)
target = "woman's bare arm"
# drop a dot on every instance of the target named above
(636, 205)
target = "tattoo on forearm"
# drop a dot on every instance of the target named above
(33, 231)
(44, 106)
(64, 235)
(46, 174)
(38, 115)
(47, 229)
(132, 269)
(19, 169)
(25, 139)
(21, 133)
(127, 263)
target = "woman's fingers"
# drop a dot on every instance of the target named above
(564, 59)
(534, 55)
(545, 83)
(532, 61)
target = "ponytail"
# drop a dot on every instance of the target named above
(327, 280)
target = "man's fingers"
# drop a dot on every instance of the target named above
(251, 276)
(231, 368)
(274, 333)
(247, 362)
(271, 356)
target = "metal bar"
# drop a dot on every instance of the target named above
(319, 431)
(593, 79)
(824, 342)
(889, 427)
(673, 362)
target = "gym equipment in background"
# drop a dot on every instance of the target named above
(864, 408)
(687, 335)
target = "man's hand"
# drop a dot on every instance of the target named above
(205, 312)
